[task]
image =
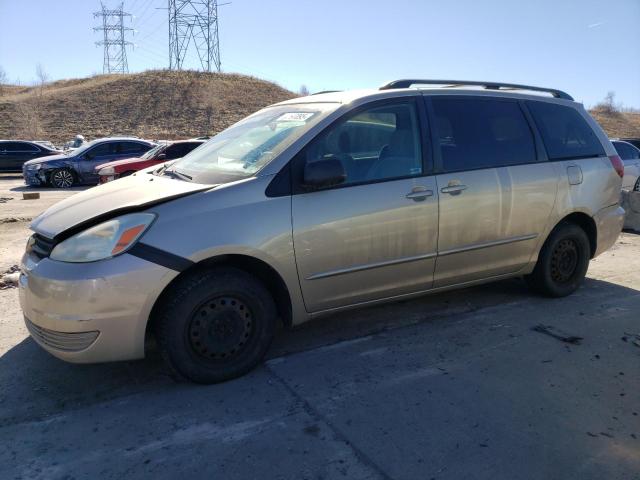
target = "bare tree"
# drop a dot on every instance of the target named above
(304, 91)
(42, 76)
(608, 104)
(28, 121)
(3, 80)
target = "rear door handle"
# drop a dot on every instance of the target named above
(453, 189)
(419, 194)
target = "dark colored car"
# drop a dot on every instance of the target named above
(77, 167)
(159, 154)
(633, 141)
(13, 153)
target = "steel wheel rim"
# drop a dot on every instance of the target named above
(564, 260)
(220, 328)
(63, 179)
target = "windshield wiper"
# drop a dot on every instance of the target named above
(175, 174)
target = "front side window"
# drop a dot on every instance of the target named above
(248, 146)
(475, 133)
(99, 151)
(565, 133)
(380, 143)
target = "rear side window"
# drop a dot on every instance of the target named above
(132, 147)
(626, 151)
(18, 147)
(478, 133)
(565, 133)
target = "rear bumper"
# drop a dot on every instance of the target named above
(91, 312)
(609, 222)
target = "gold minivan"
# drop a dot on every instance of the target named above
(319, 204)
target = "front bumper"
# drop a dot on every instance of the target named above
(34, 177)
(90, 312)
(609, 222)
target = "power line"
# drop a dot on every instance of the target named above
(194, 22)
(114, 43)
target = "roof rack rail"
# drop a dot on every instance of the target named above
(406, 83)
(326, 91)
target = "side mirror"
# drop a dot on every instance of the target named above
(326, 172)
(162, 156)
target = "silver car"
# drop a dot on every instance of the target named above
(630, 155)
(319, 204)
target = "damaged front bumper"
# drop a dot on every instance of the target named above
(34, 177)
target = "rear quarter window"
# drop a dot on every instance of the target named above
(565, 133)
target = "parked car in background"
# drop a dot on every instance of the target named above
(633, 141)
(77, 167)
(47, 143)
(630, 155)
(161, 153)
(14, 153)
(320, 204)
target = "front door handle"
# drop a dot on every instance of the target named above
(419, 194)
(453, 189)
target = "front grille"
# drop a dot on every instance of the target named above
(63, 341)
(40, 246)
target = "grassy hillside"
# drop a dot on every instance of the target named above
(154, 104)
(618, 124)
(163, 104)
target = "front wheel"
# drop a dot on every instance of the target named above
(563, 262)
(62, 178)
(215, 325)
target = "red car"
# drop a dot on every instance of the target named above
(163, 152)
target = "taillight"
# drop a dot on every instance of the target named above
(617, 165)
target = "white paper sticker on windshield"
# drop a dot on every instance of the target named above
(294, 117)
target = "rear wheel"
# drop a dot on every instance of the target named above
(562, 263)
(216, 325)
(62, 178)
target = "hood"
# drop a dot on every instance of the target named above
(109, 200)
(48, 158)
(115, 163)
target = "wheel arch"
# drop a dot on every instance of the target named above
(260, 269)
(587, 223)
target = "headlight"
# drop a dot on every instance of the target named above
(105, 240)
(37, 166)
(106, 171)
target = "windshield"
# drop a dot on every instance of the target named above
(151, 153)
(246, 147)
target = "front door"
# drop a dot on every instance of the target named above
(375, 235)
(496, 194)
(87, 163)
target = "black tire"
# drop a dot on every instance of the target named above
(562, 263)
(62, 178)
(215, 325)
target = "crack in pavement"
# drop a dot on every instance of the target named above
(339, 435)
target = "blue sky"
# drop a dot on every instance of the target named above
(586, 47)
